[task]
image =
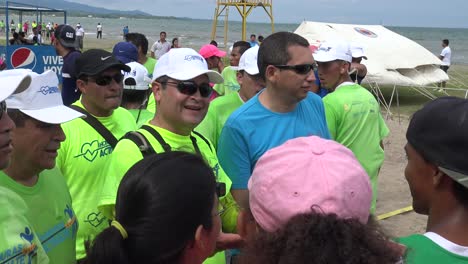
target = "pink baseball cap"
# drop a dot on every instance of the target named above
(303, 175)
(211, 50)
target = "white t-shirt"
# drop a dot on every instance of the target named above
(447, 54)
(160, 48)
(80, 31)
(99, 27)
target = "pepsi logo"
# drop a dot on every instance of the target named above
(23, 58)
(365, 32)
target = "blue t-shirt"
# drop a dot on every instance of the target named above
(70, 92)
(253, 129)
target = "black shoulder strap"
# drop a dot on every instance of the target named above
(158, 137)
(141, 141)
(204, 139)
(98, 126)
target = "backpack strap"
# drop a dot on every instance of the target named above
(141, 141)
(158, 137)
(97, 125)
(204, 139)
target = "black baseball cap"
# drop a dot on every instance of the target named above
(66, 35)
(94, 61)
(439, 132)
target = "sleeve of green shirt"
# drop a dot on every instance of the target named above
(331, 118)
(208, 126)
(383, 127)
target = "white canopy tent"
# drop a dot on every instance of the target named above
(393, 60)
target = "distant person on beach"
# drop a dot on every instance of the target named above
(13, 26)
(358, 71)
(353, 113)
(99, 31)
(124, 31)
(221, 108)
(214, 43)
(437, 175)
(213, 56)
(160, 47)
(285, 109)
(141, 42)
(80, 33)
(49, 30)
(35, 34)
(175, 43)
(260, 39)
(2, 26)
(64, 42)
(446, 58)
(253, 40)
(230, 84)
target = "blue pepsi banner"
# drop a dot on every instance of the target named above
(37, 58)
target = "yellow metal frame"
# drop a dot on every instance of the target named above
(244, 7)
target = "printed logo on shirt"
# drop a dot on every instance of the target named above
(95, 219)
(71, 222)
(91, 150)
(21, 253)
(45, 90)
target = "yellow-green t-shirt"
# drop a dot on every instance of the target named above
(230, 84)
(142, 115)
(18, 240)
(149, 65)
(219, 111)
(354, 120)
(81, 158)
(127, 153)
(51, 213)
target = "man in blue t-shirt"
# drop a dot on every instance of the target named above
(64, 44)
(285, 109)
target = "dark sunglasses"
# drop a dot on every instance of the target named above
(3, 108)
(299, 69)
(190, 88)
(104, 80)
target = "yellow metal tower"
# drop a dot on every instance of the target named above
(245, 7)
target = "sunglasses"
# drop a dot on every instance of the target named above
(104, 80)
(190, 88)
(299, 69)
(3, 108)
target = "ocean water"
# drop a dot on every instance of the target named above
(195, 33)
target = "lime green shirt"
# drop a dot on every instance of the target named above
(422, 250)
(81, 157)
(354, 120)
(51, 213)
(126, 154)
(19, 242)
(149, 65)
(218, 112)
(144, 117)
(230, 84)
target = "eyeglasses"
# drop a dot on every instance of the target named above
(299, 69)
(104, 80)
(3, 108)
(190, 88)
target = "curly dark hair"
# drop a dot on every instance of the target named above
(322, 239)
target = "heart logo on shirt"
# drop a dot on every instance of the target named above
(90, 150)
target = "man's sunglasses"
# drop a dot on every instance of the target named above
(104, 80)
(3, 108)
(299, 69)
(190, 88)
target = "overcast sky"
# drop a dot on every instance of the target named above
(419, 13)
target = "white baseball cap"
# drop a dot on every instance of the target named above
(357, 50)
(248, 61)
(13, 81)
(42, 100)
(137, 78)
(184, 64)
(333, 50)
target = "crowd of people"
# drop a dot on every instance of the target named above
(174, 158)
